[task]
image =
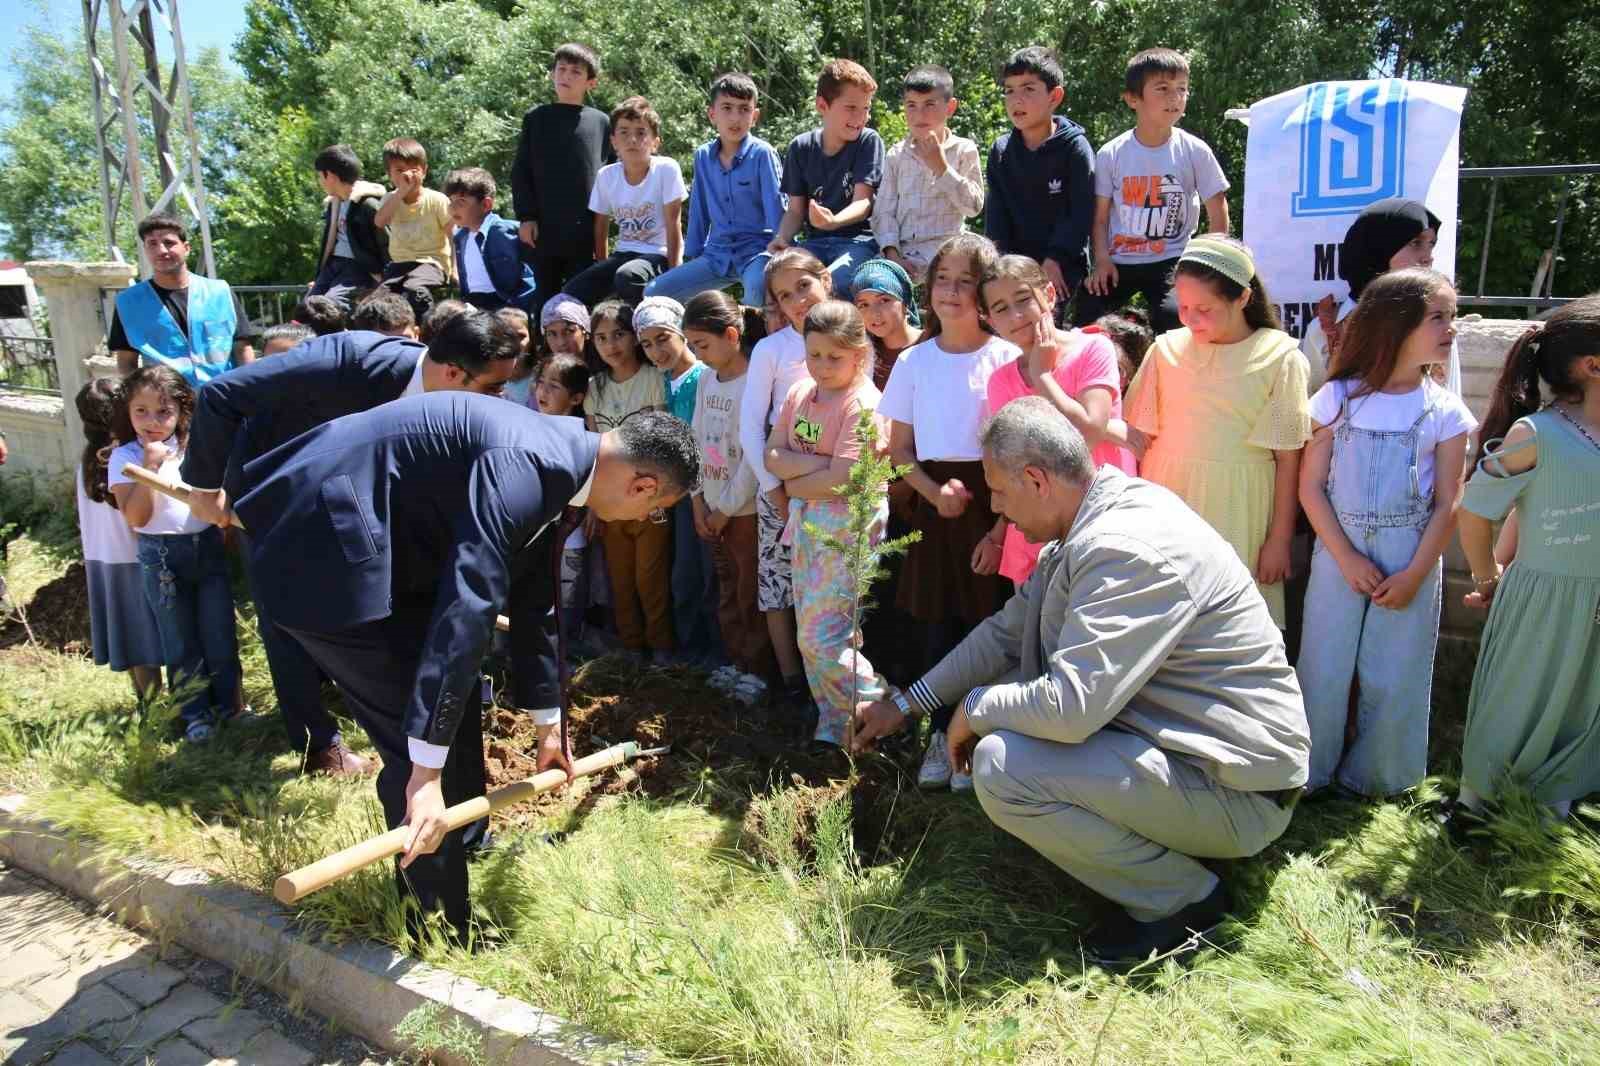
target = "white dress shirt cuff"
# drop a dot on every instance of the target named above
(543, 716)
(431, 756)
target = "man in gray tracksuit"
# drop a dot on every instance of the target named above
(1131, 706)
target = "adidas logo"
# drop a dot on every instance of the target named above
(1055, 186)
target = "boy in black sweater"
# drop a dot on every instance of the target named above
(1041, 175)
(561, 149)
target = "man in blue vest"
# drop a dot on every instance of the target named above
(186, 321)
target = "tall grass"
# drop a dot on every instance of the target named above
(740, 924)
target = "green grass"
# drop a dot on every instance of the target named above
(736, 923)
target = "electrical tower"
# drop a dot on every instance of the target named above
(136, 30)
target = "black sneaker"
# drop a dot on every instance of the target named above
(1125, 943)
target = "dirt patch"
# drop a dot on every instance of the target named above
(57, 616)
(748, 750)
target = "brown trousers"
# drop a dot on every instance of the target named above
(639, 556)
(744, 626)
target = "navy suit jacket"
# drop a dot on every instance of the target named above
(431, 503)
(271, 401)
(502, 259)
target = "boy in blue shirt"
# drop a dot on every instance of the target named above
(832, 173)
(735, 204)
(1041, 174)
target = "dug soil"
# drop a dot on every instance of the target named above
(57, 617)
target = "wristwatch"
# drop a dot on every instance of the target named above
(903, 704)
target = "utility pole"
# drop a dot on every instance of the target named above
(136, 34)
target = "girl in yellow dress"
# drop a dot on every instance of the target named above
(1221, 405)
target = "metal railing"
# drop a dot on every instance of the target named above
(269, 305)
(28, 364)
(1540, 296)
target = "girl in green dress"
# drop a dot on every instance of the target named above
(1533, 717)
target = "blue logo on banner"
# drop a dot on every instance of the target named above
(1352, 147)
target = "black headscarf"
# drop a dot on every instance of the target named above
(1380, 231)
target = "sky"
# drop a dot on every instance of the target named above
(205, 23)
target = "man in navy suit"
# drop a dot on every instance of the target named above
(489, 266)
(393, 538)
(250, 414)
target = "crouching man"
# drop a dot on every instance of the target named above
(1131, 707)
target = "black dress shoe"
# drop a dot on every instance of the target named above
(1123, 944)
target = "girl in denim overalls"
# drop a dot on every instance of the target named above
(1379, 484)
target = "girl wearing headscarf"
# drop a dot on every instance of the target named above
(1390, 234)
(882, 291)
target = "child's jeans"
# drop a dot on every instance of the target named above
(694, 588)
(841, 255)
(574, 591)
(718, 268)
(186, 584)
(840, 676)
(1388, 654)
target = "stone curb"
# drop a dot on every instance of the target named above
(365, 988)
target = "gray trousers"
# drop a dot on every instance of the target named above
(1115, 811)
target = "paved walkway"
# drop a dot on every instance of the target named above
(77, 989)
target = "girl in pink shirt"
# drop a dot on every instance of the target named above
(1076, 371)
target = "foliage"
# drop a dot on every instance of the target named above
(459, 74)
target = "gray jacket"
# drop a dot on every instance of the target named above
(1143, 619)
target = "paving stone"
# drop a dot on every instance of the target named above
(179, 1052)
(186, 1003)
(145, 982)
(269, 1048)
(97, 1005)
(228, 1031)
(29, 963)
(78, 1053)
(18, 1011)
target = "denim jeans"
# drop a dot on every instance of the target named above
(701, 274)
(841, 255)
(1373, 486)
(186, 585)
(694, 587)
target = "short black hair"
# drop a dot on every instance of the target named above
(435, 320)
(734, 84)
(322, 313)
(570, 370)
(340, 161)
(385, 311)
(930, 78)
(1036, 60)
(573, 52)
(162, 223)
(294, 332)
(1151, 62)
(469, 181)
(472, 340)
(664, 446)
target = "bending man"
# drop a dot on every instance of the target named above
(393, 537)
(1131, 707)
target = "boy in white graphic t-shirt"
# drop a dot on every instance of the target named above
(1148, 186)
(643, 193)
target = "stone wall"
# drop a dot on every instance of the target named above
(36, 435)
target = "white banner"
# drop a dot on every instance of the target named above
(1318, 154)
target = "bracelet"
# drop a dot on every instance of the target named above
(1486, 581)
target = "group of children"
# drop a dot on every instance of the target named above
(1367, 439)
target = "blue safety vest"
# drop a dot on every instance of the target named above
(201, 355)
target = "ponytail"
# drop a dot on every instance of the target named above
(97, 404)
(1544, 353)
(714, 311)
(1516, 394)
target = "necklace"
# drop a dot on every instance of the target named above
(1576, 425)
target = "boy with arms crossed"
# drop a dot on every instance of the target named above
(418, 221)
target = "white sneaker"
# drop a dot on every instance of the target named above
(960, 782)
(935, 772)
